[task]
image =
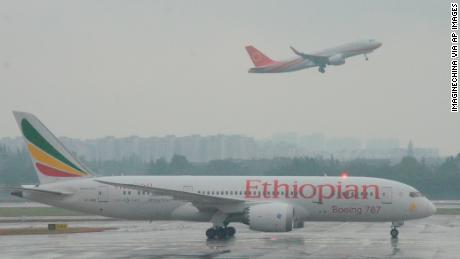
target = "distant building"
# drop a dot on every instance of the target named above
(410, 149)
(205, 148)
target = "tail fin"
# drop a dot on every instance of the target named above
(258, 58)
(52, 161)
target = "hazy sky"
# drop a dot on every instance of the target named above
(95, 68)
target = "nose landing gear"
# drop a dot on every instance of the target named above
(394, 229)
(222, 232)
(394, 232)
(322, 69)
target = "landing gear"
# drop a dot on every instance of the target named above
(394, 233)
(211, 233)
(231, 231)
(322, 69)
(220, 232)
(365, 56)
(394, 229)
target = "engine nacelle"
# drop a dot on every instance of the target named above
(336, 60)
(270, 217)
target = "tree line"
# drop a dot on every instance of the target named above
(437, 181)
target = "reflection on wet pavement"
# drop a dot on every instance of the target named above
(435, 237)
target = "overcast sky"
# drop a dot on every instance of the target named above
(151, 68)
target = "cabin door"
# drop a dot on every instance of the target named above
(103, 194)
(387, 195)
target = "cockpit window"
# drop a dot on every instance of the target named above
(415, 194)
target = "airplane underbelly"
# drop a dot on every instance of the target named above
(141, 209)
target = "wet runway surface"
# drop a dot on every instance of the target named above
(434, 237)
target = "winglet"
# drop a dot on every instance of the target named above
(296, 51)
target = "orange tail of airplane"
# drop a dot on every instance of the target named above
(258, 58)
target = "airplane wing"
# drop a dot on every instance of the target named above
(199, 200)
(319, 60)
(34, 189)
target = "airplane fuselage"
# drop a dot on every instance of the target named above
(314, 198)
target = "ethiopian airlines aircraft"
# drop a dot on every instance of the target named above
(264, 203)
(333, 56)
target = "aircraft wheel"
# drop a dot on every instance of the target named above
(321, 69)
(221, 233)
(394, 233)
(211, 233)
(231, 231)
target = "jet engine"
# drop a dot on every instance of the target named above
(270, 217)
(336, 60)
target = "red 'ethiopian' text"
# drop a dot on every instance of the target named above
(274, 189)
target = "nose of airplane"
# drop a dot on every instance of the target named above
(379, 44)
(431, 208)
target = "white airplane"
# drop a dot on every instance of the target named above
(333, 56)
(264, 203)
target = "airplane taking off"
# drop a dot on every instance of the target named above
(333, 56)
(264, 203)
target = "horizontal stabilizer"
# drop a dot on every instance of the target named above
(36, 189)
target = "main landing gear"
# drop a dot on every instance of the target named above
(221, 232)
(365, 56)
(322, 69)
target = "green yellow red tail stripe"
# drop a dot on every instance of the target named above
(46, 159)
(33, 136)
